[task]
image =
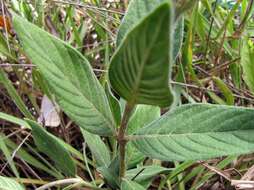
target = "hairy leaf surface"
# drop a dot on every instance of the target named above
(69, 76)
(198, 132)
(98, 148)
(50, 145)
(142, 116)
(140, 68)
(138, 9)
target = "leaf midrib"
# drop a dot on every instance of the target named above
(48, 58)
(147, 53)
(137, 136)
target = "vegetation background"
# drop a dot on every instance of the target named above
(210, 68)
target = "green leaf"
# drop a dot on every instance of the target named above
(145, 173)
(216, 99)
(7, 155)
(5, 50)
(140, 68)
(227, 93)
(26, 156)
(247, 62)
(50, 145)
(180, 169)
(39, 7)
(99, 150)
(134, 156)
(9, 184)
(114, 105)
(198, 132)
(69, 76)
(178, 37)
(139, 9)
(14, 94)
(143, 115)
(222, 165)
(110, 173)
(14, 120)
(130, 185)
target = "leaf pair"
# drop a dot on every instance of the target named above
(139, 72)
(74, 85)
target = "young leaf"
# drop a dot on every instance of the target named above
(98, 148)
(110, 173)
(143, 115)
(50, 145)
(130, 185)
(178, 37)
(69, 76)
(9, 184)
(114, 105)
(139, 69)
(198, 132)
(145, 173)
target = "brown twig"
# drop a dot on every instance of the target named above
(210, 90)
(87, 6)
(16, 65)
(216, 170)
(241, 26)
(223, 66)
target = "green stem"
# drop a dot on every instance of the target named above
(122, 141)
(246, 16)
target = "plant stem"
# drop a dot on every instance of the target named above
(122, 141)
(210, 30)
